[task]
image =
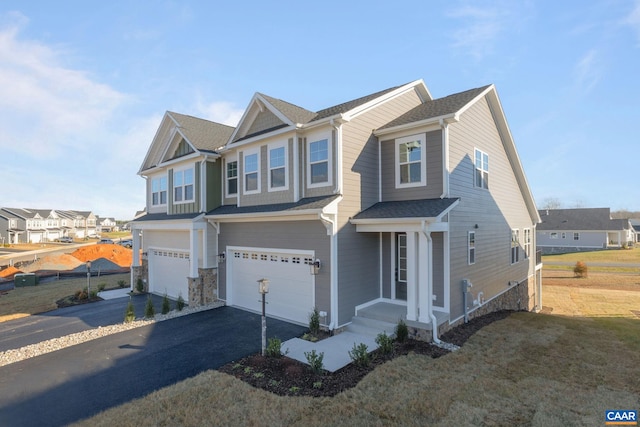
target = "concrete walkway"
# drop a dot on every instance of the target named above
(115, 293)
(336, 348)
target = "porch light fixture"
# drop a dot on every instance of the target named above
(221, 257)
(263, 288)
(315, 267)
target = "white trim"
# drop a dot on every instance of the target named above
(166, 190)
(422, 139)
(392, 271)
(469, 233)
(182, 170)
(314, 139)
(250, 152)
(227, 161)
(475, 169)
(274, 146)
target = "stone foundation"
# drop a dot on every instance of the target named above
(140, 272)
(203, 289)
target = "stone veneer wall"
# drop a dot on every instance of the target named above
(203, 289)
(141, 272)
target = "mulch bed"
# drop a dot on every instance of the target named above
(288, 377)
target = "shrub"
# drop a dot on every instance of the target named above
(402, 332)
(139, 285)
(274, 347)
(580, 270)
(314, 321)
(122, 283)
(385, 343)
(81, 294)
(149, 311)
(93, 294)
(360, 354)
(166, 305)
(315, 360)
(102, 286)
(180, 302)
(130, 313)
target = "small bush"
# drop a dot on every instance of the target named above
(385, 343)
(314, 321)
(274, 347)
(315, 360)
(81, 294)
(149, 311)
(122, 283)
(581, 270)
(180, 303)
(139, 285)
(102, 286)
(360, 354)
(130, 313)
(166, 305)
(94, 294)
(402, 332)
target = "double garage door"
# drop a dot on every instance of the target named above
(291, 283)
(168, 271)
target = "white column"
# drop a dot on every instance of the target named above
(412, 277)
(135, 234)
(424, 273)
(193, 253)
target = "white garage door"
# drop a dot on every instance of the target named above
(168, 271)
(290, 281)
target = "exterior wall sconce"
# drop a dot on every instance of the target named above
(221, 257)
(315, 267)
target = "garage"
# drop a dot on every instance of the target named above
(168, 272)
(291, 284)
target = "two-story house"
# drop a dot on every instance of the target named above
(380, 202)
(12, 228)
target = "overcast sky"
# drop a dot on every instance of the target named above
(84, 85)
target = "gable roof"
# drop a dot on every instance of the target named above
(580, 219)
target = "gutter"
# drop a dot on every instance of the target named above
(338, 128)
(331, 224)
(445, 158)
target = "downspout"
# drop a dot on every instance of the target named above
(434, 321)
(331, 226)
(445, 158)
(338, 128)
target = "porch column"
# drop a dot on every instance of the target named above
(193, 250)
(424, 274)
(412, 277)
(135, 237)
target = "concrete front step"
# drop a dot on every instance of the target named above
(370, 327)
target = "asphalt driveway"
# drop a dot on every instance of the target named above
(61, 387)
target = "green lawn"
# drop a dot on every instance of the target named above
(609, 256)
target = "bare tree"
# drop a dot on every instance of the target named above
(552, 203)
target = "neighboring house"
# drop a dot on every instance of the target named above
(106, 225)
(34, 224)
(583, 229)
(12, 228)
(50, 225)
(82, 223)
(384, 201)
(635, 223)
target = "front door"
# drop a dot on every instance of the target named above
(401, 267)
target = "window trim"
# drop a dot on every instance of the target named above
(399, 247)
(471, 248)
(276, 146)
(515, 246)
(527, 242)
(184, 185)
(329, 161)
(245, 154)
(484, 169)
(422, 138)
(159, 179)
(227, 179)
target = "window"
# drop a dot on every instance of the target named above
(411, 161)
(159, 191)
(232, 178)
(515, 246)
(482, 170)
(402, 258)
(318, 173)
(277, 168)
(527, 243)
(576, 236)
(251, 173)
(471, 248)
(554, 235)
(183, 185)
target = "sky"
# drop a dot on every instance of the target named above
(84, 85)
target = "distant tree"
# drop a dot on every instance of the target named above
(552, 203)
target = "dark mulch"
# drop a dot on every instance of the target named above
(289, 377)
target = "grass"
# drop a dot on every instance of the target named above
(613, 256)
(562, 368)
(28, 300)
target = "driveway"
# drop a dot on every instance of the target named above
(65, 386)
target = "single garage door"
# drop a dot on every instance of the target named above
(290, 296)
(168, 272)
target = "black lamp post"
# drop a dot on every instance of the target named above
(89, 280)
(263, 288)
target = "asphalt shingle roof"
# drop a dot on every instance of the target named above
(427, 208)
(309, 203)
(165, 217)
(579, 219)
(204, 134)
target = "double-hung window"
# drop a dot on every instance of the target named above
(277, 167)
(183, 186)
(232, 178)
(159, 191)
(319, 163)
(251, 172)
(471, 248)
(527, 243)
(410, 153)
(515, 246)
(482, 169)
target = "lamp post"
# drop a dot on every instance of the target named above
(88, 280)
(263, 288)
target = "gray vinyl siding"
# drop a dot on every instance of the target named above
(495, 211)
(359, 253)
(301, 235)
(588, 239)
(181, 208)
(433, 187)
(438, 268)
(386, 264)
